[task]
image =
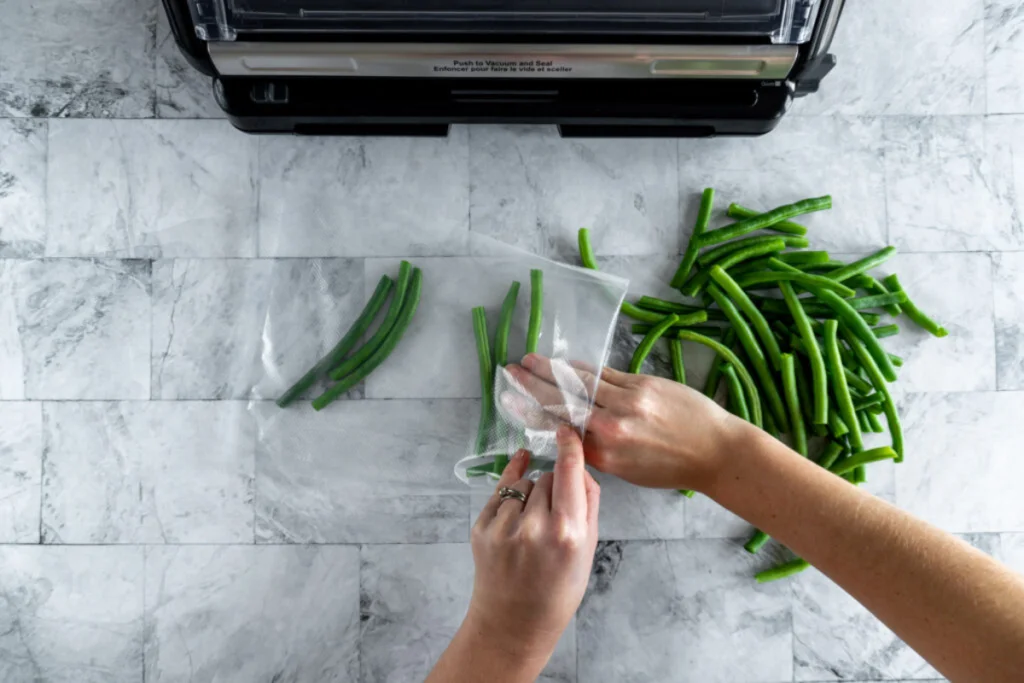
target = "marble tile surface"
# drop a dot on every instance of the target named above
(71, 614)
(1004, 56)
(894, 61)
(532, 189)
(949, 182)
(148, 472)
(655, 609)
(226, 329)
(235, 613)
(417, 595)
(151, 189)
(76, 329)
(181, 91)
(22, 188)
(83, 58)
(803, 157)
(364, 472)
(336, 196)
(1008, 289)
(957, 438)
(21, 453)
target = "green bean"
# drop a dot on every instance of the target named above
(804, 259)
(860, 474)
(709, 330)
(831, 453)
(650, 303)
(856, 324)
(765, 220)
(827, 266)
(886, 331)
(589, 262)
(508, 308)
(862, 265)
(877, 301)
(353, 362)
(803, 392)
(409, 305)
(803, 326)
(870, 284)
(782, 571)
(867, 402)
(645, 346)
(913, 312)
(707, 201)
(839, 386)
(863, 458)
(675, 353)
(796, 419)
(756, 542)
(873, 422)
(878, 380)
(755, 354)
(483, 353)
(736, 397)
(351, 338)
(752, 280)
(715, 374)
(863, 422)
(700, 278)
(481, 470)
(536, 310)
(852, 379)
(713, 255)
(740, 298)
(788, 227)
(753, 400)
(640, 315)
(836, 425)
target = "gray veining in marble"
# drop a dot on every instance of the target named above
(236, 613)
(160, 280)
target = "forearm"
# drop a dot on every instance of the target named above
(475, 655)
(961, 610)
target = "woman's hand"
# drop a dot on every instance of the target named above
(533, 559)
(647, 430)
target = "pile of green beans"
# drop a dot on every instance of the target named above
(797, 336)
(347, 367)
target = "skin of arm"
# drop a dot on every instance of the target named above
(958, 608)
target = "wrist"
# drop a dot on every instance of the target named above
(736, 439)
(514, 645)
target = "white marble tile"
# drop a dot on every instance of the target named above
(70, 615)
(905, 58)
(336, 196)
(21, 452)
(82, 329)
(835, 638)
(362, 472)
(151, 189)
(682, 610)
(630, 512)
(181, 91)
(533, 189)
(949, 184)
(12, 352)
(1008, 288)
(89, 58)
(803, 157)
(962, 460)
(1011, 551)
(417, 595)
(955, 290)
(22, 188)
(437, 356)
(1005, 146)
(252, 613)
(148, 472)
(247, 328)
(1004, 56)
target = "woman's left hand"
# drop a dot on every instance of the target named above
(533, 559)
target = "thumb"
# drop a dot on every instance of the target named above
(569, 490)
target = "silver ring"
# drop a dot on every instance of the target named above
(506, 492)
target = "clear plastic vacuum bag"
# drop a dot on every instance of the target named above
(577, 313)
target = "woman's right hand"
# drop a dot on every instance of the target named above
(647, 430)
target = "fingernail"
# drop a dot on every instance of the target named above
(529, 360)
(519, 454)
(564, 432)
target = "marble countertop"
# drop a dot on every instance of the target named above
(156, 524)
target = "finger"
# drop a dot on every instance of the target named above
(514, 471)
(539, 502)
(593, 501)
(617, 378)
(578, 375)
(568, 491)
(548, 395)
(510, 509)
(525, 411)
